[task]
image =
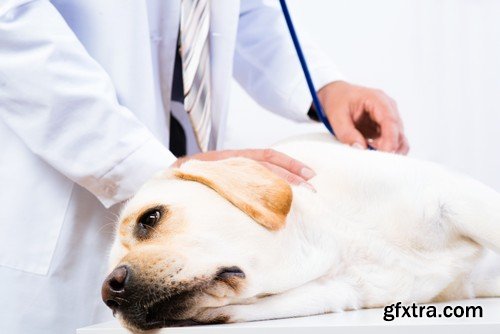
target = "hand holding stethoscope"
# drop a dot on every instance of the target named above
(359, 116)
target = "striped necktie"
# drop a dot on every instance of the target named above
(195, 55)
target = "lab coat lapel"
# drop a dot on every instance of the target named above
(223, 28)
(167, 18)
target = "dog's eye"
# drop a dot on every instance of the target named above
(150, 218)
(146, 221)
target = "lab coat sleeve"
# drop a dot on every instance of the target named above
(266, 64)
(63, 106)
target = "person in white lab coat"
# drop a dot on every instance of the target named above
(86, 116)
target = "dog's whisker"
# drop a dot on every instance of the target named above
(121, 299)
(106, 226)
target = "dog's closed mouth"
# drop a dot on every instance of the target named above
(155, 316)
(169, 323)
(163, 312)
(155, 324)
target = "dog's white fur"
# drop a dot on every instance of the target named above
(380, 228)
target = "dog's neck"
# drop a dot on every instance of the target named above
(308, 245)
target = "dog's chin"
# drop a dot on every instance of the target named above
(162, 313)
(150, 324)
(177, 311)
(157, 322)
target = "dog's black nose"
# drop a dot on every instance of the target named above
(114, 287)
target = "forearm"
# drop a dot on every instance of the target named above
(63, 106)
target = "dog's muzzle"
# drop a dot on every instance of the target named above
(142, 302)
(145, 305)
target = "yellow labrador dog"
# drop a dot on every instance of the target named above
(228, 241)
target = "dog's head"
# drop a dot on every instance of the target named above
(194, 239)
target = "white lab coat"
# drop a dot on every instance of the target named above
(84, 102)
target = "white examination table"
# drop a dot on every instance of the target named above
(363, 321)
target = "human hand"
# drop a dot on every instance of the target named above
(291, 170)
(361, 116)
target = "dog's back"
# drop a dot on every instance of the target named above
(422, 224)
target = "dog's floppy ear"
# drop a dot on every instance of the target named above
(245, 183)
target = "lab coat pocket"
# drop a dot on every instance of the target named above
(33, 200)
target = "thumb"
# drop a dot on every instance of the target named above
(347, 133)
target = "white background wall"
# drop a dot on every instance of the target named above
(440, 59)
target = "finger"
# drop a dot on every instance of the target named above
(284, 161)
(346, 131)
(262, 155)
(287, 176)
(385, 117)
(389, 137)
(404, 147)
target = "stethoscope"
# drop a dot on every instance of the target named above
(317, 105)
